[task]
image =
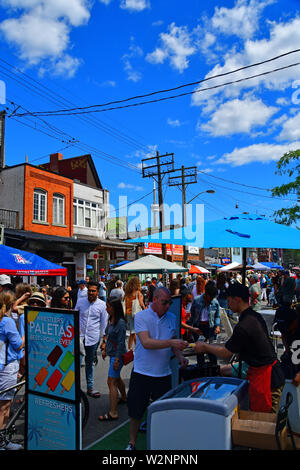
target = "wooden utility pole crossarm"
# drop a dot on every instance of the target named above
(157, 167)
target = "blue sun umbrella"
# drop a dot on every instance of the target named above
(22, 263)
(241, 231)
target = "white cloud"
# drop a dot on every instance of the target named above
(290, 129)
(133, 53)
(129, 186)
(242, 20)
(282, 38)
(135, 5)
(176, 46)
(174, 122)
(238, 116)
(263, 153)
(40, 30)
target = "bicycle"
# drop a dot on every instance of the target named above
(18, 407)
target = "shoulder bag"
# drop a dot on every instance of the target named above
(136, 307)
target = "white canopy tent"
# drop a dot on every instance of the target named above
(149, 264)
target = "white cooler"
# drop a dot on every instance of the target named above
(196, 415)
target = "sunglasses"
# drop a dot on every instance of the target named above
(167, 302)
(33, 303)
(66, 298)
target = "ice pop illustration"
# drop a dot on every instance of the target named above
(54, 356)
(68, 381)
(53, 380)
(40, 377)
(66, 362)
(32, 314)
(68, 336)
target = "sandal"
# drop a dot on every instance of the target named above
(107, 417)
(93, 393)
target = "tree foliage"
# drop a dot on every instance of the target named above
(288, 164)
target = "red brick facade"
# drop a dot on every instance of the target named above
(36, 178)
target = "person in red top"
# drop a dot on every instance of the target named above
(186, 329)
(250, 340)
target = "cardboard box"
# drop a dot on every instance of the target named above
(257, 431)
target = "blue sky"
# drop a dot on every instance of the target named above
(58, 54)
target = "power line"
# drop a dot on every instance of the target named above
(46, 93)
(233, 182)
(68, 111)
(253, 194)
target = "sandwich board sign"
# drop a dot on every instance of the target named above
(52, 419)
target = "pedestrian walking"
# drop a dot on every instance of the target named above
(114, 348)
(11, 351)
(133, 302)
(255, 292)
(92, 323)
(60, 298)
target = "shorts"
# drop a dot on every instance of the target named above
(130, 323)
(114, 374)
(142, 388)
(8, 378)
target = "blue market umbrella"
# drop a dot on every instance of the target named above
(241, 231)
(22, 263)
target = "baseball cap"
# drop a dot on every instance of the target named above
(255, 276)
(37, 296)
(4, 279)
(82, 281)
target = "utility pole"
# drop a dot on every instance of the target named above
(188, 176)
(158, 167)
(2, 139)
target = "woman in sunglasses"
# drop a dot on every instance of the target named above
(114, 348)
(60, 298)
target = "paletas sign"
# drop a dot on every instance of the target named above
(53, 379)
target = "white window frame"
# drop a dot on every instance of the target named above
(40, 199)
(90, 214)
(58, 214)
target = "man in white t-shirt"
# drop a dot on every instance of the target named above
(151, 375)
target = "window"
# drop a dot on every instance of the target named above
(86, 214)
(40, 205)
(58, 209)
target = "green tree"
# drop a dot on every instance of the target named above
(289, 164)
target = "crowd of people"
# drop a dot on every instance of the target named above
(118, 316)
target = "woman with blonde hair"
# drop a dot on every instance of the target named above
(132, 292)
(11, 345)
(199, 287)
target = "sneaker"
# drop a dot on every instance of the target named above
(11, 446)
(130, 447)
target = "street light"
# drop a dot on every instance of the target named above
(210, 191)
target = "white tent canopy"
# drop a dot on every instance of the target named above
(230, 266)
(150, 264)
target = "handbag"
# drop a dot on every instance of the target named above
(135, 306)
(126, 357)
